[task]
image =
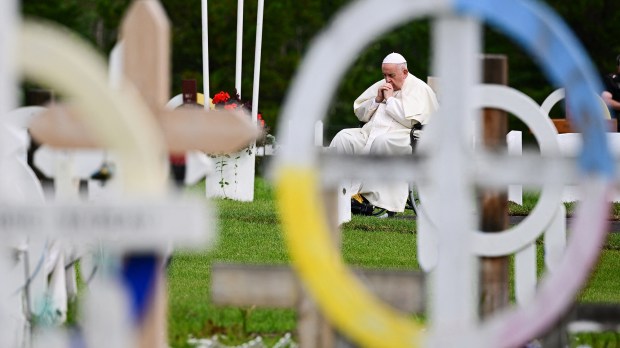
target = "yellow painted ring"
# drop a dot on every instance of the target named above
(343, 298)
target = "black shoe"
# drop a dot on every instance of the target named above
(361, 208)
(388, 214)
(104, 173)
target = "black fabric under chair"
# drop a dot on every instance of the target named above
(366, 208)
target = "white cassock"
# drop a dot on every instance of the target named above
(386, 132)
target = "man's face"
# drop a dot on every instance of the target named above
(394, 75)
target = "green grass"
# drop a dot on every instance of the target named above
(250, 232)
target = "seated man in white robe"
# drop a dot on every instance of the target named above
(390, 108)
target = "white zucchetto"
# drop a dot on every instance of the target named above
(394, 58)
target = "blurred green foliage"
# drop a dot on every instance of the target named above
(289, 28)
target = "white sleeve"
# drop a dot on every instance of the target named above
(394, 108)
(365, 111)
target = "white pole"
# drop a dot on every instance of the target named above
(205, 53)
(115, 66)
(239, 46)
(8, 24)
(257, 56)
(8, 82)
(453, 312)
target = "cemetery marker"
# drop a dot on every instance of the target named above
(58, 70)
(453, 316)
(146, 40)
(494, 271)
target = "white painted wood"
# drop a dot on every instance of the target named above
(233, 176)
(65, 182)
(123, 121)
(123, 224)
(552, 99)
(433, 83)
(427, 243)
(555, 240)
(239, 50)
(197, 166)
(318, 133)
(175, 102)
(85, 162)
(525, 274)
(241, 171)
(570, 145)
(205, 50)
(57, 290)
(515, 148)
(525, 259)
(453, 313)
(19, 184)
(516, 237)
(16, 142)
(14, 329)
(54, 302)
(115, 66)
(344, 190)
(559, 94)
(103, 325)
(298, 148)
(344, 204)
(9, 20)
(257, 59)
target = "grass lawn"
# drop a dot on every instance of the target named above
(249, 232)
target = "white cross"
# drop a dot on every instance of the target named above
(449, 167)
(135, 224)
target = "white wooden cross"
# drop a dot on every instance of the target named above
(272, 286)
(145, 29)
(134, 224)
(241, 178)
(9, 311)
(127, 222)
(450, 170)
(40, 256)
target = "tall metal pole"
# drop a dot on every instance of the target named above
(205, 52)
(257, 59)
(239, 46)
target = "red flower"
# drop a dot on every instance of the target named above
(223, 100)
(221, 97)
(260, 120)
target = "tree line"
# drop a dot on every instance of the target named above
(288, 31)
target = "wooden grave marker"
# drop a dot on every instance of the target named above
(494, 271)
(146, 58)
(270, 286)
(67, 220)
(138, 226)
